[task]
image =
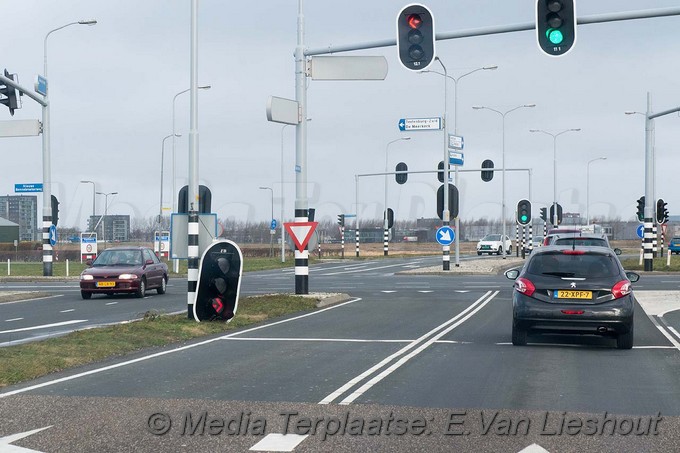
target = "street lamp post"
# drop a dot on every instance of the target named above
(160, 208)
(456, 220)
(502, 114)
(554, 136)
(106, 212)
(271, 236)
(47, 171)
(283, 239)
(175, 262)
(386, 232)
(588, 187)
(94, 212)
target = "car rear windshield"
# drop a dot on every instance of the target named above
(492, 237)
(586, 265)
(582, 241)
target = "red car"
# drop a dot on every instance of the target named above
(124, 270)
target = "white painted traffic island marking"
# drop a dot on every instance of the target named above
(5, 442)
(534, 448)
(278, 442)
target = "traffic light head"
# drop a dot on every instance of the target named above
(524, 212)
(453, 201)
(12, 96)
(487, 175)
(641, 209)
(219, 281)
(204, 200)
(341, 220)
(661, 211)
(55, 210)
(544, 214)
(415, 37)
(401, 177)
(556, 26)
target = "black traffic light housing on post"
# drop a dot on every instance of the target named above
(12, 97)
(544, 214)
(204, 200)
(524, 212)
(415, 37)
(219, 282)
(440, 173)
(390, 217)
(641, 209)
(453, 201)
(661, 211)
(402, 177)
(556, 26)
(559, 213)
(341, 220)
(55, 210)
(487, 175)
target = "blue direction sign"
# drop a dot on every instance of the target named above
(272, 226)
(445, 235)
(53, 235)
(41, 85)
(420, 124)
(640, 231)
(456, 158)
(34, 187)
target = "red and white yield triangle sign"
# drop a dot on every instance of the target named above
(301, 232)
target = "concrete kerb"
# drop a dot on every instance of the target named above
(470, 267)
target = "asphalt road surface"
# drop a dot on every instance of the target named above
(410, 363)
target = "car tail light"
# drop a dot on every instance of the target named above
(621, 289)
(572, 312)
(524, 286)
(574, 252)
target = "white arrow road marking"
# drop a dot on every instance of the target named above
(278, 442)
(45, 326)
(5, 442)
(534, 448)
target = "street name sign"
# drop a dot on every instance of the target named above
(282, 110)
(20, 128)
(456, 142)
(420, 124)
(456, 158)
(347, 68)
(32, 187)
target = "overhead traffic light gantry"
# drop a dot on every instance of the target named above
(415, 37)
(556, 26)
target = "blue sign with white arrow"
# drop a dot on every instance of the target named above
(640, 231)
(445, 235)
(272, 226)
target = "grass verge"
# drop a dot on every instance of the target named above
(29, 361)
(659, 264)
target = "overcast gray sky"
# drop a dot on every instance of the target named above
(112, 87)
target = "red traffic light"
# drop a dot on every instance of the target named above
(217, 305)
(414, 21)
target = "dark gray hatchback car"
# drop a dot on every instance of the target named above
(573, 290)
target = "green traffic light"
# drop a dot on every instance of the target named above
(524, 218)
(554, 36)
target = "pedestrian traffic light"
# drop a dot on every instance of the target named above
(453, 201)
(415, 37)
(341, 220)
(556, 26)
(55, 210)
(524, 212)
(401, 177)
(641, 209)
(12, 97)
(661, 211)
(487, 175)
(219, 281)
(544, 214)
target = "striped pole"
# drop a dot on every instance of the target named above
(357, 238)
(342, 241)
(302, 259)
(47, 247)
(545, 229)
(386, 236)
(655, 236)
(531, 237)
(193, 260)
(663, 241)
(648, 245)
(516, 239)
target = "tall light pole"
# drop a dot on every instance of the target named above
(174, 134)
(271, 236)
(456, 220)
(283, 239)
(386, 232)
(94, 212)
(106, 212)
(502, 114)
(47, 171)
(588, 187)
(160, 207)
(554, 136)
